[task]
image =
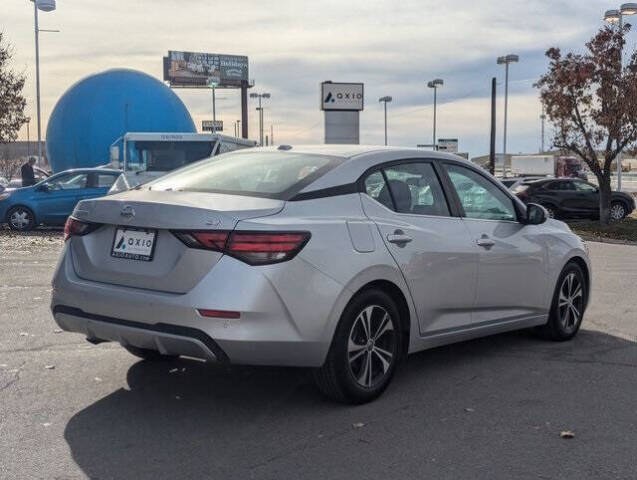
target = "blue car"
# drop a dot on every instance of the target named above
(51, 201)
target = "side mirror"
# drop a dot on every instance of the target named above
(43, 188)
(535, 214)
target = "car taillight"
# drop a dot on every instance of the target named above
(76, 228)
(253, 248)
(215, 241)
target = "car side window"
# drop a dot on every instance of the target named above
(105, 180)
(585, 187)
(561, 186)
(415, 189)
(70, 181)
(479, 197)
(376, 187)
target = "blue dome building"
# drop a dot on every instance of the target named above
(100, 108)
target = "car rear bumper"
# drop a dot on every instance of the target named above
(268, 332)
(165, 338)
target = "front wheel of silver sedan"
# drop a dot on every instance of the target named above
(365, 350)
(569, 301)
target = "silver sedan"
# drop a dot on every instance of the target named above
(340, 258)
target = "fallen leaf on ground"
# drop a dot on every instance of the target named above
(567, 434)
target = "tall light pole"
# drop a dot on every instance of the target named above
(506, 60)
(385, 100)
(260, 110)
(617, 16)
(45, 6)
(28, 139)
(438, 82)
(543, 118)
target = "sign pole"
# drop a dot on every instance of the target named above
(214, 111)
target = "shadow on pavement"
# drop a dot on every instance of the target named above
(490, 408)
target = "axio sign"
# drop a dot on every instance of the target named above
(342, 96)
(341, 104)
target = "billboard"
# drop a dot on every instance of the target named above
(342, 96)
(192, 69)
(207, 125)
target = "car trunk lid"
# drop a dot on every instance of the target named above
(174, 268)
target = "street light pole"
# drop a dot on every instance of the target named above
(438, 82)
(37, 81)
(45, 6)
(612, 16)
(28, 139)
(385, 100)
(506, 60)
(260, 110)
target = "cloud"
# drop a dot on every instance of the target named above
(393, 47)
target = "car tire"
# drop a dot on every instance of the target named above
(150, 355)
(360, 365)
(617, 211)
(21, 219)
(568, 305)
(550, 209)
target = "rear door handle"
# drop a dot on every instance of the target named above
(398, 238)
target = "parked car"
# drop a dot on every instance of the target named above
(572, 198)
(51, 201)
(339, 258)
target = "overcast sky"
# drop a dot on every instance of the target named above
(394, 47)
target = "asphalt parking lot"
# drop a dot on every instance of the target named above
(485, 409)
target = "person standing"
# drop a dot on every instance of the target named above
(28, 175)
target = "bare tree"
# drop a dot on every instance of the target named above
(12, 102)
(591, 100)
(8, 166)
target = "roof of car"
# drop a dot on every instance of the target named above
(88, 170)
(349, 151)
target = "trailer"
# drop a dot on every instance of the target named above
(143, 156)
(545, 166)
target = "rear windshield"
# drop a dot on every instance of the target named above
(275, 175)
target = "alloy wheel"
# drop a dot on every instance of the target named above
(617, 212)
(371, 346)
(19, 219)
(570, 302)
